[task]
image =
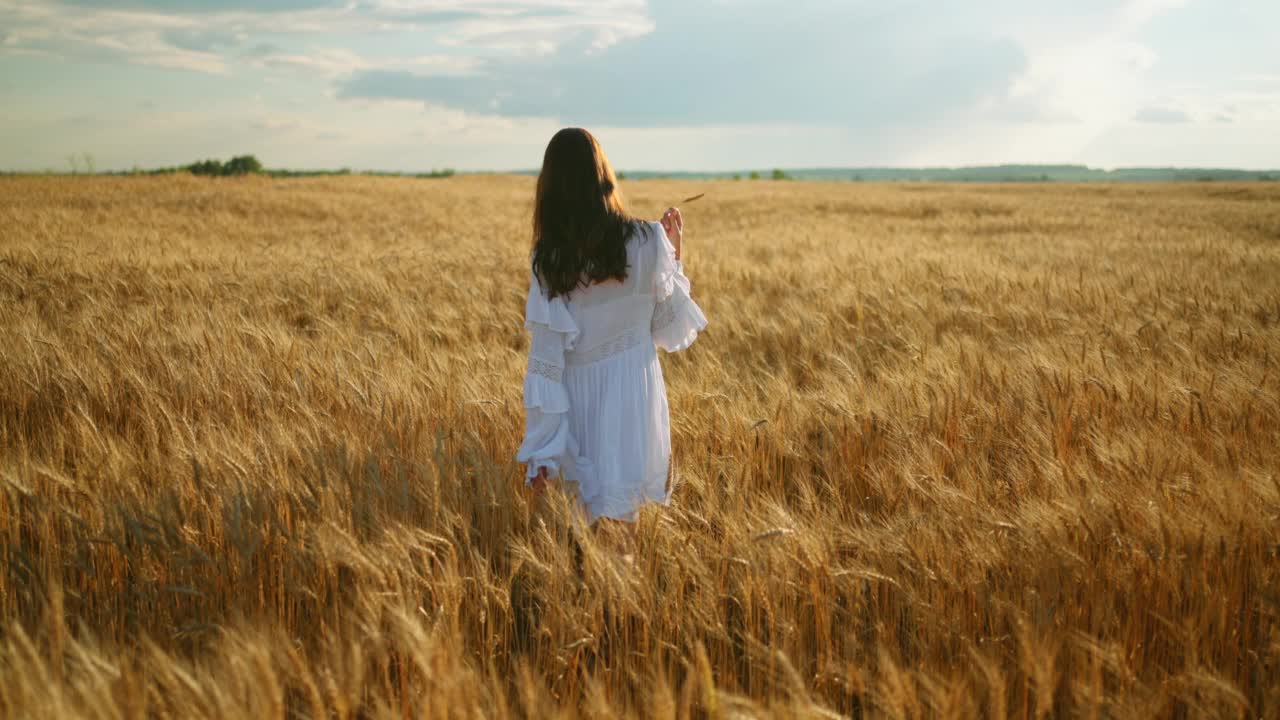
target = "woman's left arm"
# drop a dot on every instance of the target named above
(547, 444)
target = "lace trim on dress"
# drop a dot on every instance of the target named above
(618, 343)
(676, 323)
(550, 371)
(663, 315)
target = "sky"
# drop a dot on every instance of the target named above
(713, 85)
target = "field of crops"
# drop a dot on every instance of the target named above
(943, 451)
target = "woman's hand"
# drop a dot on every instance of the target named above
(539, 483)
(673, 223)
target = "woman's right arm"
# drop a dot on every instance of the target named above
(677, 319)
(673, 225)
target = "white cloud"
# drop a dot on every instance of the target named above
(141, 32)
(334, 62)
(1090, 70)
(1161, 115)
(140, 38)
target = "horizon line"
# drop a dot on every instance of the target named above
(1077, 167)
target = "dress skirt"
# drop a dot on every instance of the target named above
(621, 421)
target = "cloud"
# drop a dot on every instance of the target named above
(417, 11)
(207, 6)
(142, 39)
(1092, 71)
(848, 64)
(1245, 101)
(209, 36)
(544, 30)
(202, 40)
(276, 124)
(338, 61)
(1161, 116)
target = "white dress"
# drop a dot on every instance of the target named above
(595, 402)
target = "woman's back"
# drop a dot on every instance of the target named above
(613, 315)
(594, 390)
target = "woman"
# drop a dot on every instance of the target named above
(605, 291)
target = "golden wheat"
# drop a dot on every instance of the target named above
(944, 451)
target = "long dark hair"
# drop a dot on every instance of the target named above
(580, 226)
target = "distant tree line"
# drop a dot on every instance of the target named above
(447, 172)
(84, 163)
(249, 165)
(988, 173)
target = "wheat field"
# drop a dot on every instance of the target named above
(943, 451)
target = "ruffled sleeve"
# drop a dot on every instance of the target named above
(677, 319)
(547, 440)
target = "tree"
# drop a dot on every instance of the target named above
(206, 167)
(779, 175)
(242, 165)
(754, 175)
(239, 165)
